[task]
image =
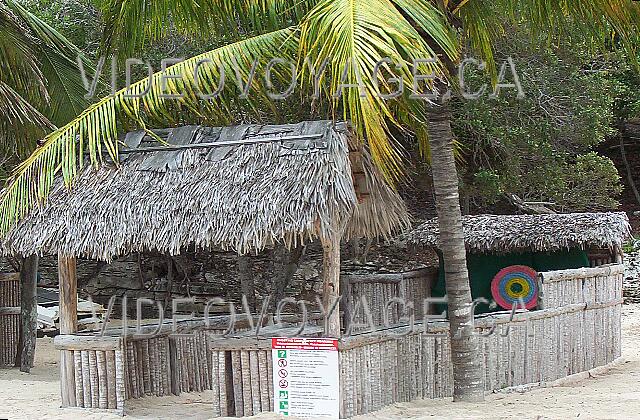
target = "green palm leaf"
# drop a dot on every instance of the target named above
(341, 31)
(57, 62)
(482, 24)
(202, 19)
(600, 20)
(260, 15)
(18, 62)
(96, 129)
(21, 123)
(130, 24)
(362, 33)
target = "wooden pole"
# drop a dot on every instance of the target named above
(331, 280)
(68, 294)
(632, 184)
(346, 304)
(67, 283)
(618, 254)
(29, 311)
(247, 284)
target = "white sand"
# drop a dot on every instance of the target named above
(614, 394)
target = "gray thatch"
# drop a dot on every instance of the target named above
(542, 233)
(242, 197)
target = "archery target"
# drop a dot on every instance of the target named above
(513, 283)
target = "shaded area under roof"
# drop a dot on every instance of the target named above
(541, 233)
(243, 196)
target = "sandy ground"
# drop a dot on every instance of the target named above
(614, 394)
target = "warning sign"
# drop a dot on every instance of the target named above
(305, 377)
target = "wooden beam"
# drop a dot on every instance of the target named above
(247, 284)
(87, 342)
(10, 310)
(630, 180)
(331, 280)
(9, 276)
(175, 147)
(346, 303)
(29, 311)
(579, 274)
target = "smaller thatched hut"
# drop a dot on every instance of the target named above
(540, 242)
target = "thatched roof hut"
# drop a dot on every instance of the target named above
(241, 188)
(498, 234)
(504, 253)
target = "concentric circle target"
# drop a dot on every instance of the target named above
(513, 283)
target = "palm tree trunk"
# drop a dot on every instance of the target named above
(468, 383)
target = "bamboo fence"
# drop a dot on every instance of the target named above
(571, 334)
(191, 369)
(104, 371)
(241, 376)
(92, 375)
(576, 329)
(9, 318)
(377, 292)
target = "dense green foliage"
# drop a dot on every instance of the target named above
(626, 81)
(78, 20)
(541, 147)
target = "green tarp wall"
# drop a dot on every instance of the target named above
(484, 267)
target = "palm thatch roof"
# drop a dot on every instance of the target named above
(228, 188)
(498, 234)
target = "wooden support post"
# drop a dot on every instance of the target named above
(29, 311)
(68, 294)
(618, 254)
(68, 288)
(245, 274)
(541, 302)
(331, 280)
(346, 303)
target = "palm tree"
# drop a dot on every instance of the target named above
(359, 32)
(39, 83)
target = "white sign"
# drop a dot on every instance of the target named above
(305, 377)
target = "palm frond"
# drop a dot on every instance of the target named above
(430, 21)
(260, 15)
(208, 18)
(356, 35)
(482, 24)
(20, 124)
(18, 62)
(57, 62)
(599, 19)
(96, 129)
(130, 24)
